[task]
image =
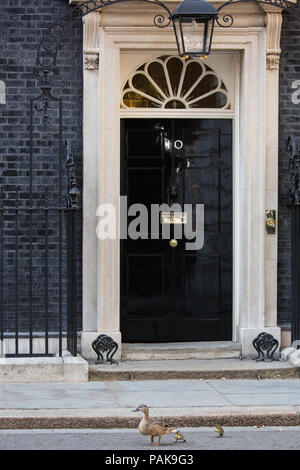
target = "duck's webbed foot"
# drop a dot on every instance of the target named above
(158, 442)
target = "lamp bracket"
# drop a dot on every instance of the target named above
(283, 4)
(89, 6)
(227, 20)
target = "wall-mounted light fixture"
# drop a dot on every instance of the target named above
(193, 22)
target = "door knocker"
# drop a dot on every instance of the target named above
(178, 144)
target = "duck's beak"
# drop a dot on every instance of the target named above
(135, 410)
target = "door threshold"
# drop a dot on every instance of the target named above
(181, 350)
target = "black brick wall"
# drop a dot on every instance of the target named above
(23, 23)
(289, 123)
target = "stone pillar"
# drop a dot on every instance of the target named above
(261, 283)
(90, 181)
(252, 157)
(108, 250)
(101, 164)
(273, 21)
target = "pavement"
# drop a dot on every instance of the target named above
(192, 402)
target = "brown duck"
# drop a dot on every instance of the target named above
(148, 428)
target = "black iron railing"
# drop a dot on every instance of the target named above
(38, 267)
(38, 211)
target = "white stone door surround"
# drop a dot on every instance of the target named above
(254, 39)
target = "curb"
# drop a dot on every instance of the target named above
(258, 420)
(99, 375)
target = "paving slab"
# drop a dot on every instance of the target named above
(256, 386)
(263, 399)
(158, 385)
(155, 412)
(59, 386)
(61, 396)
(170, 399)
(156, 393)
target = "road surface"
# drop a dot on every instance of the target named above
(266, 438)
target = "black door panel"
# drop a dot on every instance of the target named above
(175, 294)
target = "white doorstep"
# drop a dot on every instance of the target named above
(184, 350)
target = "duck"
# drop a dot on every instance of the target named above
(154, 429)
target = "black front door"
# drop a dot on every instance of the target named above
(174, 293)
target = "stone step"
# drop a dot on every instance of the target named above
(178, 351)
(193, 369)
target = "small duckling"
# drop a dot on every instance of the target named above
(155, 429)
(219, 430)
(179, 437)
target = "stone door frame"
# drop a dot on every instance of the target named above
(255, 181)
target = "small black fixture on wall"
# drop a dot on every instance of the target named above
(104, 344)
(265, 345)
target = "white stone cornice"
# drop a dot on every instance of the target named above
(139, 13)
(91, 41)
(273, 26)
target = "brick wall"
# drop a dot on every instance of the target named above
(289, 122)
(23, 23)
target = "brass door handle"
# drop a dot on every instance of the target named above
(173, 243)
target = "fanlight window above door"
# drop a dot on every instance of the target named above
(170, 82)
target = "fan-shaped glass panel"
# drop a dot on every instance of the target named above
(207, 84)
(175, 104)
(193, 69)
(142, 83)
(135, 100)
(174, 70)
(173, 83)
(216, 100)
(157, 73)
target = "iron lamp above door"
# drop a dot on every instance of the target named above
(193, 22)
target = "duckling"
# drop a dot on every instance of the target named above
(179, 437)
(155, 429)
(220, 430)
